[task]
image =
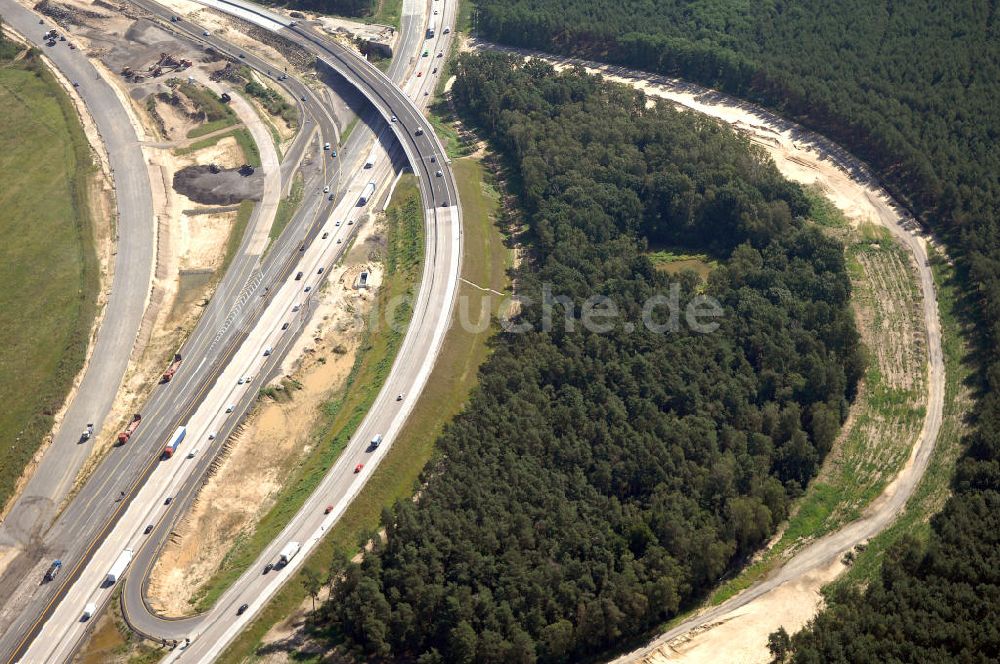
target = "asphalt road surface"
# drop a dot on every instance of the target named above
(51, 481)
(71, 537)
(240, 352)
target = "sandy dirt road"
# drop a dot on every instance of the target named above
(789, 596)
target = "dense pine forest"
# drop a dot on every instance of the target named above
(912, 87)
(599, 480)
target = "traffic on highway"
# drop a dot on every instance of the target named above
(117, 525)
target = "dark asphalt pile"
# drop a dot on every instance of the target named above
(226, 187)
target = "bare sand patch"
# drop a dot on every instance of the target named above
(277, 434)
(742, 634)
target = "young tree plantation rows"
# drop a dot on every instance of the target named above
(598, 482)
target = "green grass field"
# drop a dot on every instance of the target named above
(676, 261)
(49, 268)
(485, 263)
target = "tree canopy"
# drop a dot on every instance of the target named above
(598, 481)
(910, 86)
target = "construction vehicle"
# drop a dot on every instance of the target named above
(52, 571)
(130, 429)
(175, 440)
(288, 553)
(172, 369)
(119, 567)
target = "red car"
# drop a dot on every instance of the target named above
(329, 508)
(357, 468)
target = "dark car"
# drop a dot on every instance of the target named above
(298, 276)
(148, 529)
(168, 500)
(268, 567)
(325, 235)
(242, 609)
(285, 326)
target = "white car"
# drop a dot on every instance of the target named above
(211, 436)
(230, 408)
(267, 351)
(241, 380)
(392, 119)
(206, 33)
(192, 453)
(296, 307)
(326, 190)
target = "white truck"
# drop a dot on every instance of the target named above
(367, 194)
(121, 564)
(88, 611)
(288, 553)
(370, 160)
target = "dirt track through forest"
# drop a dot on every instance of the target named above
(789, 596)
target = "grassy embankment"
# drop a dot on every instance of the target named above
(387, 12)
(486, 260)
(287, 207)
(112, 641)
(215, 112)
(50, 270)
(888, 414)
(935, 486)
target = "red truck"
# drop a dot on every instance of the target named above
(130, 429)
(172, 369)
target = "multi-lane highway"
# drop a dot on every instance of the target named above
(72, 537)
(133, 270)
(200, 397)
